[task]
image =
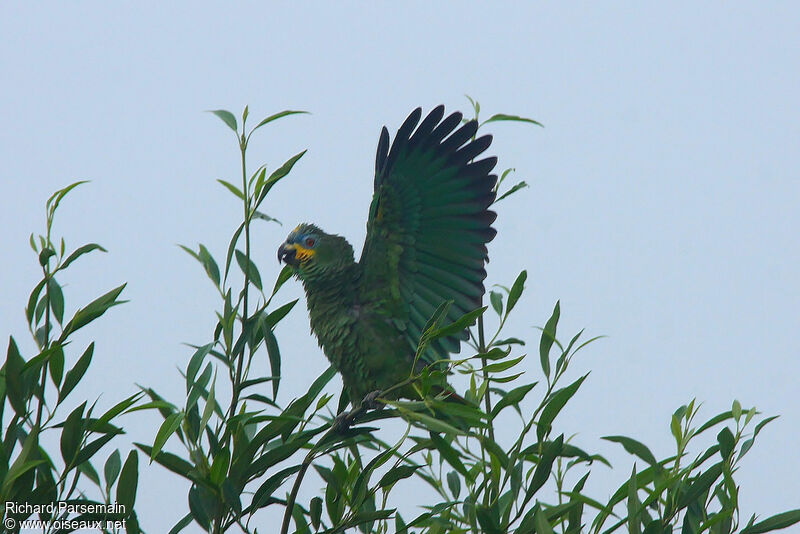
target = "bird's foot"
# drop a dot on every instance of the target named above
(345, 420)
(370, 402)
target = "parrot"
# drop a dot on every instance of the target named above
(428, 227)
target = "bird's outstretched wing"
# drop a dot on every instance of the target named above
(428, 224)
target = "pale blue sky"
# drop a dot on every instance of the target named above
(663, 208)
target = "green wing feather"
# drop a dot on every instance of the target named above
(428, 225)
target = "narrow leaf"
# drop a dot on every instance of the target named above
(232, 188)
(128, 481)
(548, 337)
(75, 374)
(557, 401)
(514, 118)
(80, 251)
(226, 117)
(168, 427)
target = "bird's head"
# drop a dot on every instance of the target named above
(314, 254)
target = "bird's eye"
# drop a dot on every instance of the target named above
(310, 242)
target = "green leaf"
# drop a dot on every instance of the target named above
(545, 465)
(675, 428)
(44, 302)
(264, 217)
(276, 315)
(280, 453)
(45, 255)
(512, 398)
(33, 299)
(397, 473)
(174, 463)
(516, 187)
(548, 337)
(57, 366)
(80, 251)
(449, 454)
(454, 483)
(55, 198)
(168, 427)
(283, 276)
(557, 401)
(501, 366)
(22, 463)
(268, 488)
(182, 524)
(431, 423)
(634, 447)
(776, 522)
(488, 519)
(219, 468)
(93, 310)
(277, 175)
(259, 177)
(248, 268)
(226, 117)
(726, 442)
(87, 469)
(634, 505)
(72, 434)
(75, 374)
(201, 507)
(15, 385)
(56, 298)
(195, 362)
(514, 118)
(736, 410)
(128, 481)
(458, 325)
(211, 402)
(762, 424)
(541, 522)
(232, 188)
(111, 468)
(86, 453)
(363, 517)
(700, 485)
(476, 107)
(497, 302)
(274, 353)
(232, 247)
(509, 341)
(516, 291)
(277, 116)
(209, 264)
(315, 510)
(724, 416)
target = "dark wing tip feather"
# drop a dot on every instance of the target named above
(382, 153)
(472, 150)
(402, 137)
(426, 126)
(483, 167)
(445, 127)
(460, 136)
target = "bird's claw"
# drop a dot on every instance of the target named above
(370, 401)
(345, 420)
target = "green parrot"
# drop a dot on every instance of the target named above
(427, 231)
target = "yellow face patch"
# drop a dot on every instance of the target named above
(302, 253)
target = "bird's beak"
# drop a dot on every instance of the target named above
(288, 255)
